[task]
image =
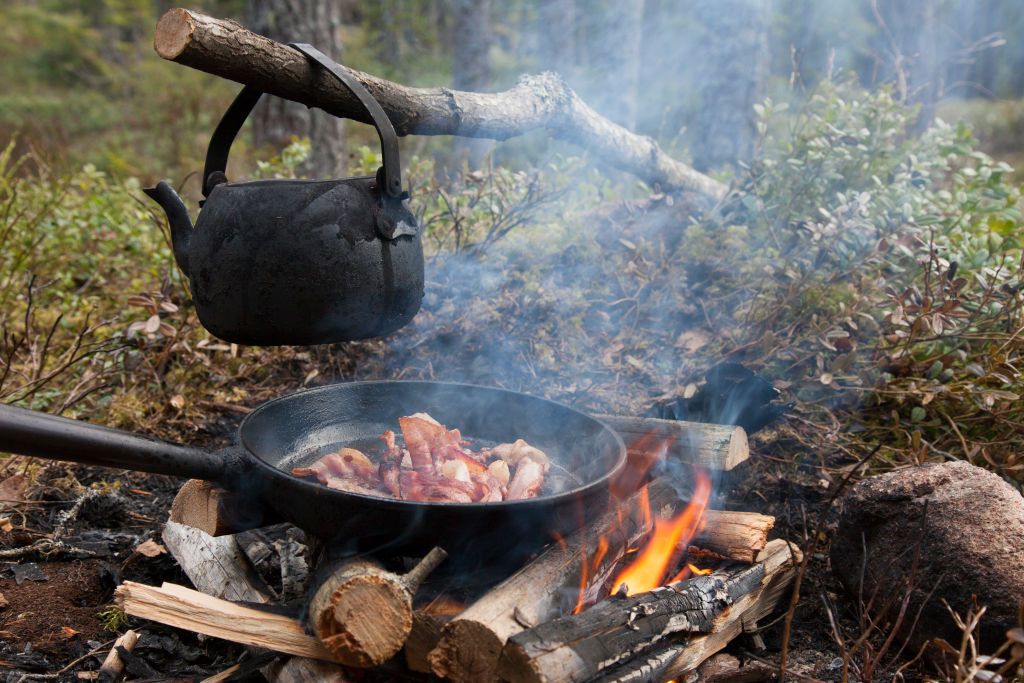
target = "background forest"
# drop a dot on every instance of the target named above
(867, 259)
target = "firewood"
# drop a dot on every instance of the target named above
(215, 566)
(228, 50)
(362, 613)
(734, 535)
(618, 630)
(206, 506)
(181, 607)
(711, 446)
(427, 623)
(471, 643)
(113, 665)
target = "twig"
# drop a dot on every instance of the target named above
(808, 553)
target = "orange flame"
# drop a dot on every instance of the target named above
(689, 570)
(648, 570)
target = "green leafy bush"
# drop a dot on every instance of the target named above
(882, 272)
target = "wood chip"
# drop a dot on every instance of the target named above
(150, 548)
(3, 601)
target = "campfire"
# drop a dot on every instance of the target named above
(648, 590)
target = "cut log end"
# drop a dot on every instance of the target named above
(174, 33)
(468, 651)
(739, 449)
(367, 621)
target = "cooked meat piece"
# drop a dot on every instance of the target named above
(488, 488)
(499, 470)
(434, 465)
(455, 469)
(526, 481)
(512, 453)
(456, 453)
(423, 437)
(430, 488)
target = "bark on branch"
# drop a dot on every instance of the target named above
(226, 49)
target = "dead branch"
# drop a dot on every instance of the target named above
(226, 49)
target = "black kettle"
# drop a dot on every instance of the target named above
(275, 262)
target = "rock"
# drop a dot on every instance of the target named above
(972, 546)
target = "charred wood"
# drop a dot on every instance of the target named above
(641, 632)
(472, 642)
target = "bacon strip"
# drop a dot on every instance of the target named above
(434, 466)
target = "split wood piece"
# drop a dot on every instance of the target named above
(737, 536)
(206, 506)
(362, 613)
(216, 566)
(471, 644)
(113, 665)
(226, 49)
(174, 605)
(710, 446)
(428, 622)
(583, 646)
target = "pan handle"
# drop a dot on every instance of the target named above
(29, 432)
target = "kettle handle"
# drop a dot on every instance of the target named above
(242, 106)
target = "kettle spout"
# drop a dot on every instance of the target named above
(177, 216)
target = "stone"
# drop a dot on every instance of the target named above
(971, 547)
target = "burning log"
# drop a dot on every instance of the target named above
(737, 536)
(471, 643)
(362, 613)
(711, 446)
(226, 49)
(638, 632)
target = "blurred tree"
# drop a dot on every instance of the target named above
(556, 37)
(733, 35)
(276, 121)
(471, 67)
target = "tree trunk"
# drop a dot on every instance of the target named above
(735, 46)
(277, 121)
(556, 32)
(471, 69)
(624, 31)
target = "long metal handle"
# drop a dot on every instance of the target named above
(28, 432)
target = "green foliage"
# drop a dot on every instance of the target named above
(113, 619)
(884, 274)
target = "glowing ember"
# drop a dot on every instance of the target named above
(648, 570)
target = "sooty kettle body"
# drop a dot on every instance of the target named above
(274, 262)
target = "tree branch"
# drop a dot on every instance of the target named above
(226, 49)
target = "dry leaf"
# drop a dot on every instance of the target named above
(3, 601)
(5, 525)
(152, 325)
(66, 632)
(692, 341)
(178, 401)
(12, 489)
(150, 548)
